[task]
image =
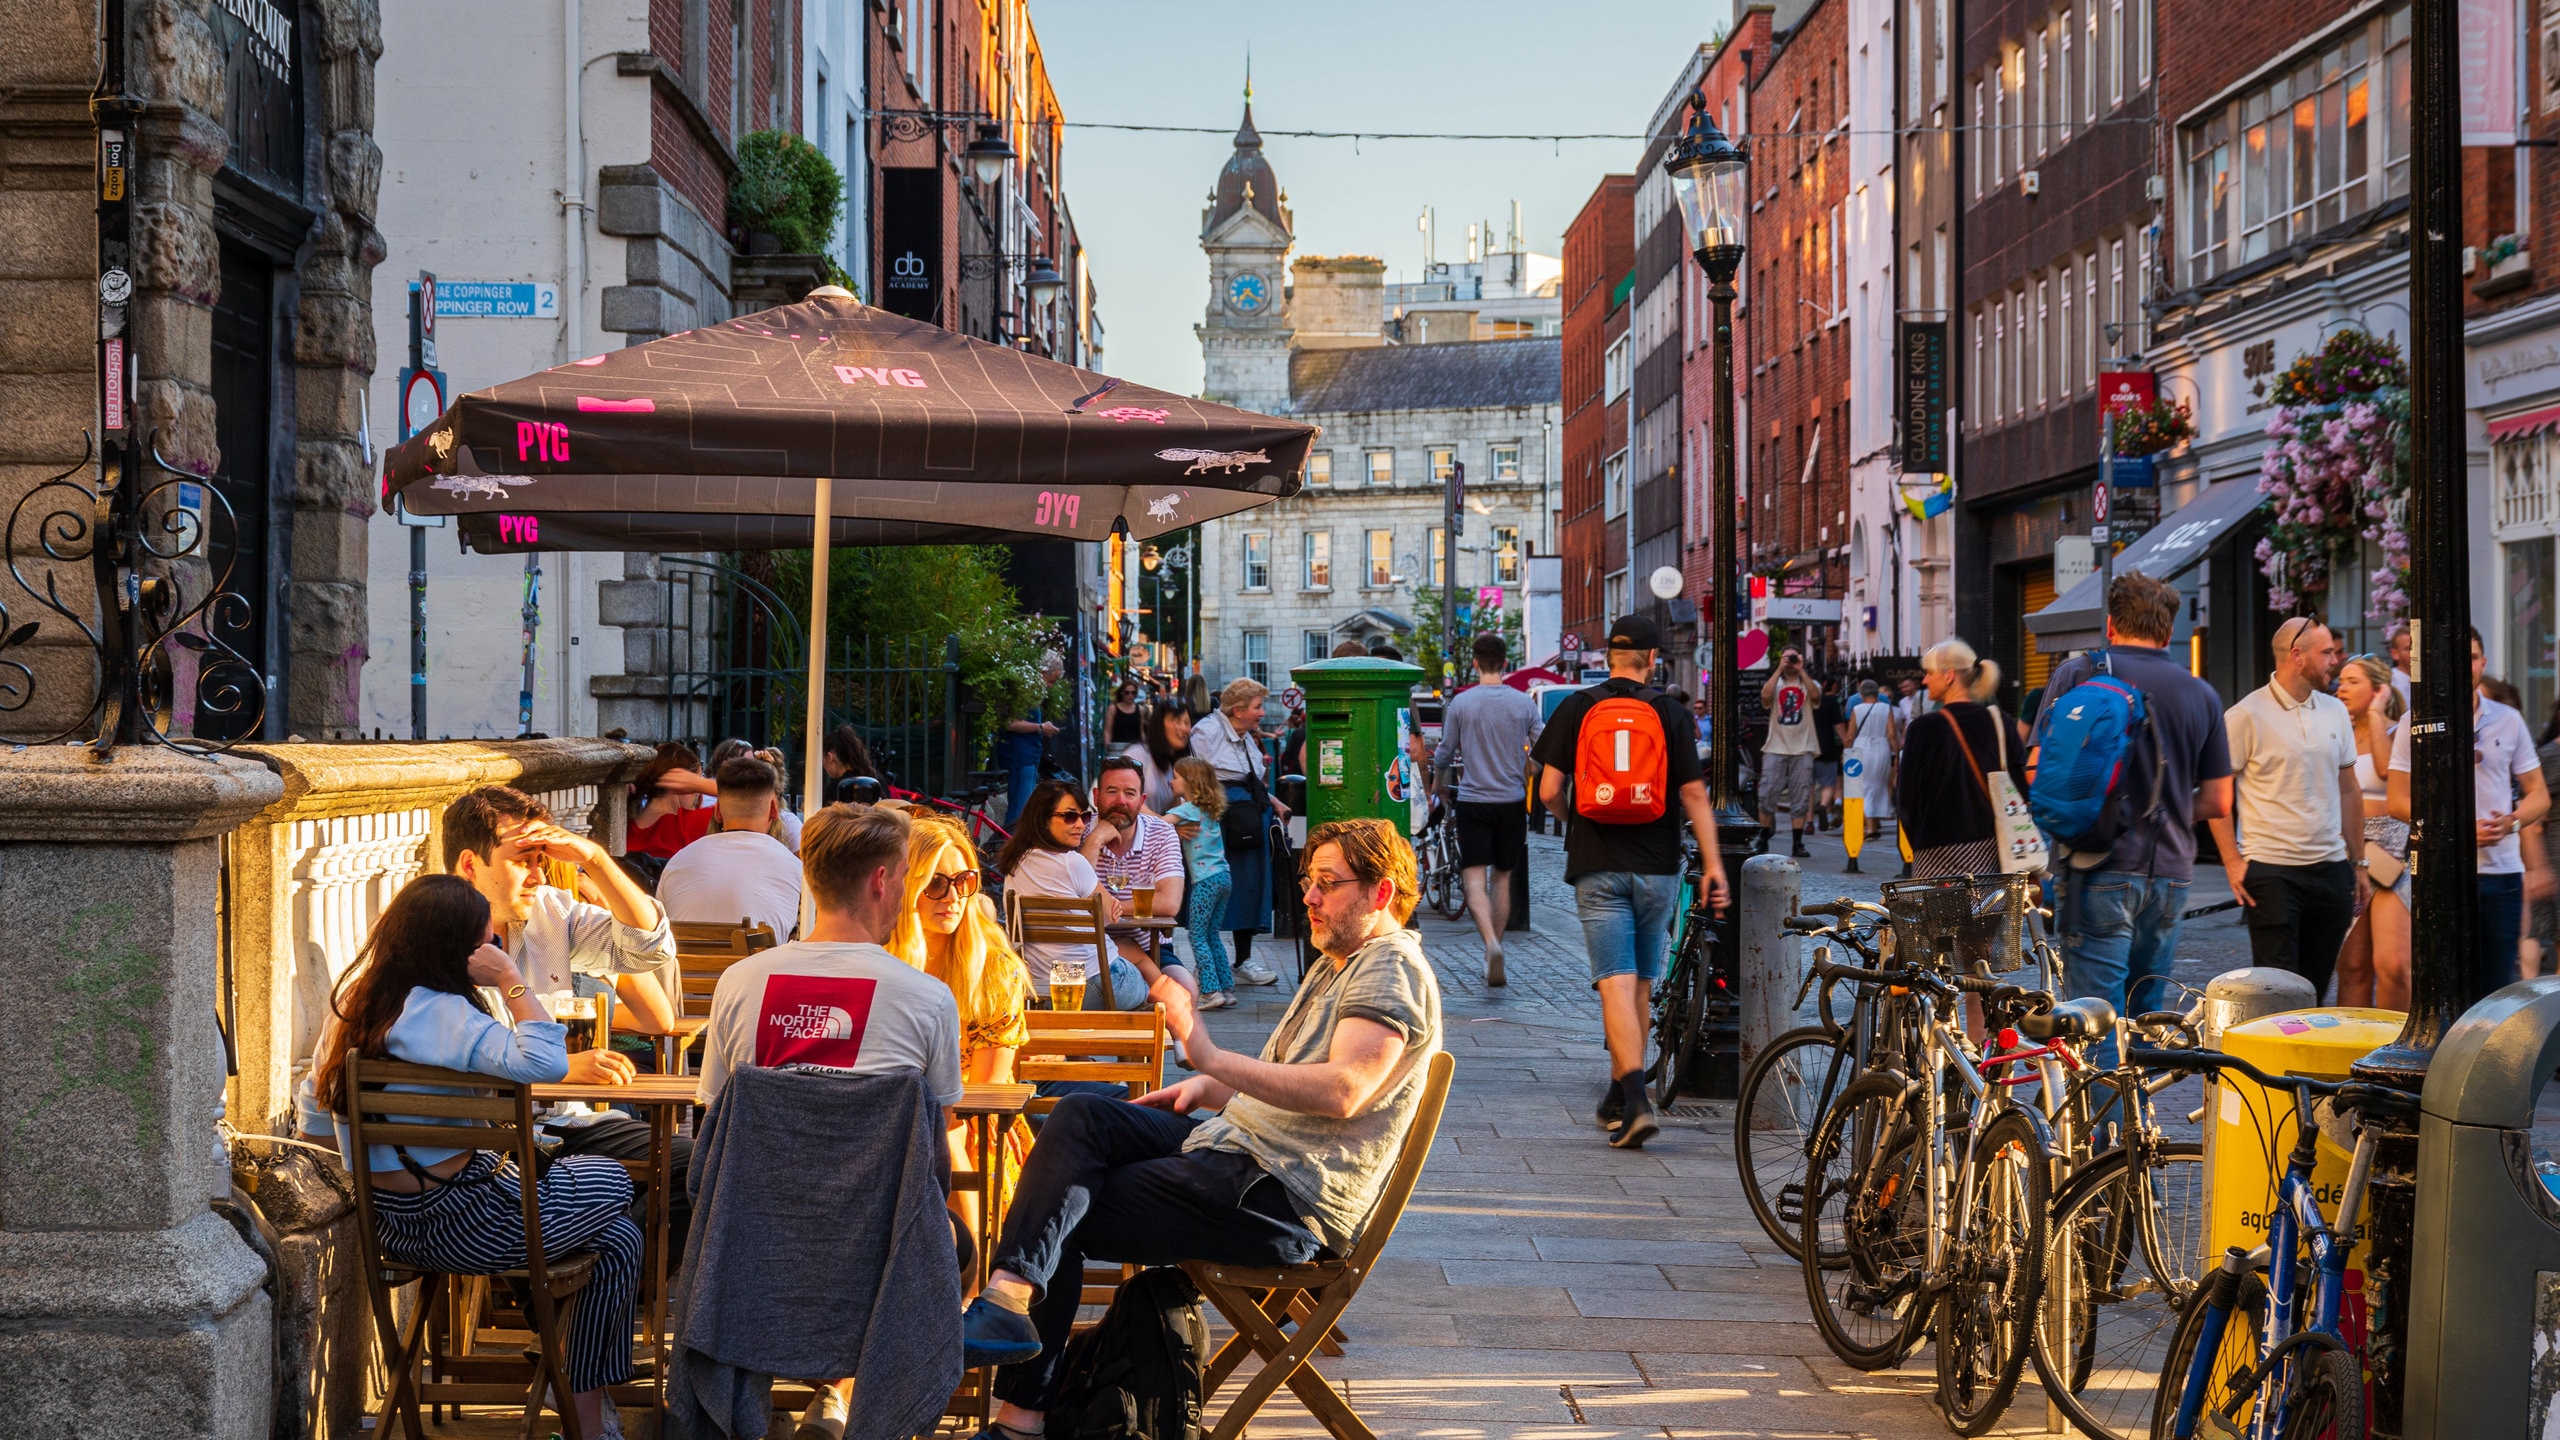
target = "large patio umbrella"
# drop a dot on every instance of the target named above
(750, 433)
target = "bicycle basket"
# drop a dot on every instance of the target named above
(1968, 922)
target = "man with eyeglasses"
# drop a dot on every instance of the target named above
(2296, 861)
(1283, 1168)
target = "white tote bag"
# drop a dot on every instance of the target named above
(2013, 831)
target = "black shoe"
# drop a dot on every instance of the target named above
(1800, 852)
(1638, 1127)
(1613, 1108)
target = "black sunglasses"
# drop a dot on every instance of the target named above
(966, 882)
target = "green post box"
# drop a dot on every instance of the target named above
(1356, 708)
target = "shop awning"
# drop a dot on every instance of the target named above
(2171, 547)
(2531, 422)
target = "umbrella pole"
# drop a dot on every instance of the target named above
(813, 796)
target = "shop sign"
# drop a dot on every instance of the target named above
(1922, 347)
(2127, 390)
(262, 92)
(911, 242)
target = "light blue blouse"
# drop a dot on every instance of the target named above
(437, 1027)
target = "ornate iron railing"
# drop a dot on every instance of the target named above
(737, 667)
(160, 623)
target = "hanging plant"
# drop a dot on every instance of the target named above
(2336, 474)
(2151, 429)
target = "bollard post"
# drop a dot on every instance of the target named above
(1766, 976)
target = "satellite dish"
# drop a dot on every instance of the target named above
(1665, 583)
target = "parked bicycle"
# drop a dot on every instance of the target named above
(2285, 1370)
(1793, 1081)
(1696, 1016)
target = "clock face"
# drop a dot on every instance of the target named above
(1248, 292)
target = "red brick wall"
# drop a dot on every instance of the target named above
(2204, 47)
(1800, 388)
(1599, 249)
(675, 150)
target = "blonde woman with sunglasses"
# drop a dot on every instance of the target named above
(949, 931)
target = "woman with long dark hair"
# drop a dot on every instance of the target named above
(414, 995)
(1166, 739)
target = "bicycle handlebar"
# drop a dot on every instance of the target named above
(2361, 1095)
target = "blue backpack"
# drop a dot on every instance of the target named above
(2086, 740)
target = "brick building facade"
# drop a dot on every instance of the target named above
(2055, 171)
(1725, 85)
(1799, 340)
(1599, 254)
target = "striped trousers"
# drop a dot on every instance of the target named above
(474, 1225)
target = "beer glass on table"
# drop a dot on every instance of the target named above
(1066, 985)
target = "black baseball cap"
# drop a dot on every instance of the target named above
(1635, 632)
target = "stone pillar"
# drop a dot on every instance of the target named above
(127, 1306)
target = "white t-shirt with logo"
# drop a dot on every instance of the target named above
(2501, 754)
(832, 1006)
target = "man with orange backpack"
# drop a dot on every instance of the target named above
(1631, 786)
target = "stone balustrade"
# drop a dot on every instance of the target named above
(310, 873)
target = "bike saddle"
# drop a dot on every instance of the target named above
(2071, 1020)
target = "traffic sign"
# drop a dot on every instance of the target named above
(1572, 643)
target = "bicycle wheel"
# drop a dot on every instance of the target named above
(1987, 1313)
(1864, 1239)
(1784, 1097)
(1679, 1020)
(1452, 896)
(2120, 1261)
(2328, 1397)
(2229, 1367)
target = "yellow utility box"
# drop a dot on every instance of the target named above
(2249, 1129)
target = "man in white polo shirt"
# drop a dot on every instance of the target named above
(2507, 795)
(2296, 865)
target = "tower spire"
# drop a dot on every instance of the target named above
(1248, 72)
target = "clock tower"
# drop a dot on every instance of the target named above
(1244, 342)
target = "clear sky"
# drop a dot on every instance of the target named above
(1600, 66)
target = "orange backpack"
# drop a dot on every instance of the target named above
(1621, 766)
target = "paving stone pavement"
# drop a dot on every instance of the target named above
(1546, 1287)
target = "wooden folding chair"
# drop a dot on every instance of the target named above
(1118, 1047)
(1262, 1301)
(1053, 920)
(704, 952)
(485, 1113)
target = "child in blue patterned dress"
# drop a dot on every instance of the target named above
(1204, 799)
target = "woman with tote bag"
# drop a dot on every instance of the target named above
(1954, 759)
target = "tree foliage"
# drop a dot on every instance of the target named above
(788, 189)
(916, 595)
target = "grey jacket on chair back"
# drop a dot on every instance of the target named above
(820, 1248)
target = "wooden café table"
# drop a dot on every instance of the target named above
(987, 1110)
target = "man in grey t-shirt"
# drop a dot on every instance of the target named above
(1486, 740)
(1287, 1169)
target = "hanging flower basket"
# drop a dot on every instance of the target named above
(2153, 429)
(2336, 474)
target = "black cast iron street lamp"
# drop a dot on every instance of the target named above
(1707, 180)
(2445, 915)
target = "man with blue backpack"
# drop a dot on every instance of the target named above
(2129, 754)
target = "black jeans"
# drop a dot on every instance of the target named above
(2301, 916)
(1107, 1180)
(2501, 924)
(623, 1137)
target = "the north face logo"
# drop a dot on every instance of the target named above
(814, 1020)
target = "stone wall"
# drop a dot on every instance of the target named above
(48, 295)
(676, 268)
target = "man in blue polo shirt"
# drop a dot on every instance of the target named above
(2120, 920)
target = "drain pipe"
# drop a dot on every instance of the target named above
(573, 340)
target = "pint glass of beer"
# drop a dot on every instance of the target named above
(577, 1013)
(1066, 985)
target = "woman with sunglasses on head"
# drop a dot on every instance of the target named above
(1052, 853)
(2373, 964)
(415, 994)
(950, 932)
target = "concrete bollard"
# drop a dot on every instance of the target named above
(1766, 975)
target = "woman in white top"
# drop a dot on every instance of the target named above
(2373, 966)
(1230, 741)
(1872, 736)
(1051, 853)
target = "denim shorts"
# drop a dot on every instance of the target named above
(1626, 922)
